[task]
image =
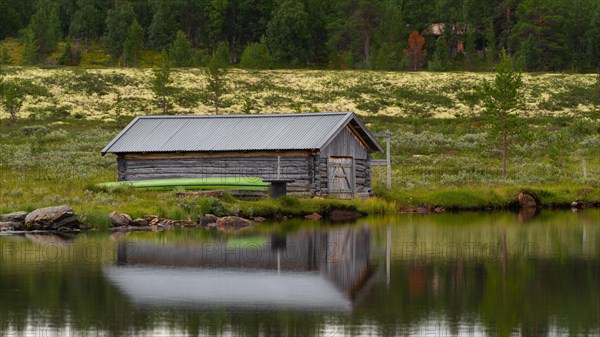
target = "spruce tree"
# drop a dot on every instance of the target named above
(118, 21)
(181, 52)
(161, 84)
(440, 56)
(490, 47)
(216, 74)
(133, 45)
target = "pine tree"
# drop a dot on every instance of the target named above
(161, 84)
(490, 40)
(118, 21)
(287, 34)
(45, 27)
(5, 57)
(71, 55)
(416, 50)
(181, 52)
(12, 96)
(216, 74)
(133, 45)
(31, 47)
(501, 99)
(440, 56)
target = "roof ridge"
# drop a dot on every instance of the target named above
(265, 115)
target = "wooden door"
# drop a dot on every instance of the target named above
(340, 173)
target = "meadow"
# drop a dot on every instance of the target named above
(441, 154)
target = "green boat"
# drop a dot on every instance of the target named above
(199, 184)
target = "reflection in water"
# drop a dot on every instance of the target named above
(465, 274)
(308, 270)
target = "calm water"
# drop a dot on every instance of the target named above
(466, 274)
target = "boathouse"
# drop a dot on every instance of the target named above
(323, 153)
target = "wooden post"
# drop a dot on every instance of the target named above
(278, 167)
(388, 160)
(584, 168)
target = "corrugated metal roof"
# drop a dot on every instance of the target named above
(233, 133)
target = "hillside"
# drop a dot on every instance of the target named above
(92, 93)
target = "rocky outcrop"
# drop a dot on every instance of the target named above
(52, 218)
(577, 204)
(120, 219)
(229, 223)
(13, 217)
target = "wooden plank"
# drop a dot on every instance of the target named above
(223, 154)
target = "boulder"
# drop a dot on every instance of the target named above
(13, 217)
(527, 200)
(229, 223)
(51, 218)
(259, 219)
(120, 219)
(344, 215)
(11, 226)
(577, 204)
(314, 216)
(439, 209)
(208, 219)
(139, 222)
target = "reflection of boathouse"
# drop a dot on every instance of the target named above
(320, 270)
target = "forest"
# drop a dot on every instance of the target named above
(437, 35)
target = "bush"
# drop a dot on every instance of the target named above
(256, 56)
(212, 205)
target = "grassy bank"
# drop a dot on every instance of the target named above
(435, 162)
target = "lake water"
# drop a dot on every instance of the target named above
(467, 274)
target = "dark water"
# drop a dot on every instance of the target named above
(464, 274)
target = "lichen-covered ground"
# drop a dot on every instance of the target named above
(92, 93)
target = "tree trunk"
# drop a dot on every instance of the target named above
(504, 153)
(216, 104)
(367, 46)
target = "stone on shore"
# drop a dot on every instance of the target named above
(52, 218)
(13, 217)
(208, 219)
(11, 226)
(527, 200)
(344, 215)
(120, 219)
(314, 216)
(140, 222)
(229, 223)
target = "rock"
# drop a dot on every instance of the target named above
(233, 223)
(120, 219)
(208, 219)
(154, 222)
(577, 204)
(439, 209)
(11, 226)
(527, 200)
(13, 217)
(259, 219)
(212, 225)
(285, 218)
(51, 218)
(149, 218)
(344, 215)
(139, 222)
(314, 216)
(422, 210)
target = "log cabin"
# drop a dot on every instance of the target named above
(325, 154)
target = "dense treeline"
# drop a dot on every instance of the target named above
(548, 35)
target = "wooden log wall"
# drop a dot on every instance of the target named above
(300, 169)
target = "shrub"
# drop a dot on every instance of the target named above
(212, 205)
(256, 56)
